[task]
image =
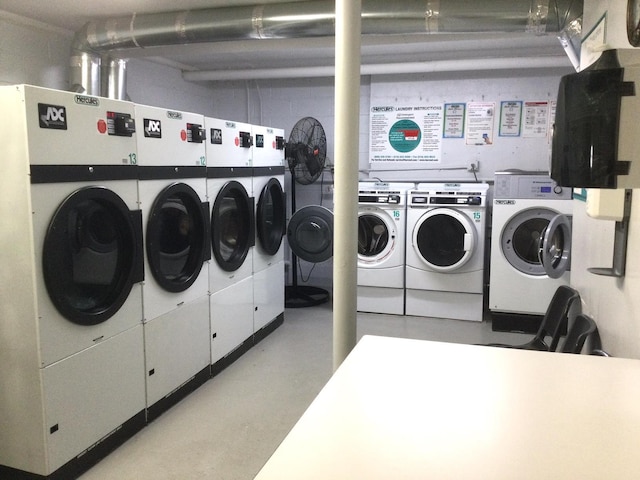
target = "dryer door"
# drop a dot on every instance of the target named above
(555, 246)
(271, 217)
(444, 239)
(376, 236)
(176, 240)
(519, 240)
(232, 226)
(92, 255)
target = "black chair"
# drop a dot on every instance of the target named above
(583, 327)
(553, 323)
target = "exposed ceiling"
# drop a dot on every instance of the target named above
(243, 55)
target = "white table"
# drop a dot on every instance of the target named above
(413, 409)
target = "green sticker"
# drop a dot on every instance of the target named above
(405, 136)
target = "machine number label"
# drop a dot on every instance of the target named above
(133, 159)
(396, 214)
(477, 216)
(203, 160)
(52, 116)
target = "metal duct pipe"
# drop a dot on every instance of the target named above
(308, 19)
(114, 78)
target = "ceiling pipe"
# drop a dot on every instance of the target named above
(114, 37)
(434, 66)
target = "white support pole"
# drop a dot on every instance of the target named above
(347, 116)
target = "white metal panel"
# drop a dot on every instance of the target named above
(91, 393)
(176, 347)
(268, 294)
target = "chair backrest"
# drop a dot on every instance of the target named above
(556, 317)
(583, 326)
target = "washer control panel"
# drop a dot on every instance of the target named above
(529, 185)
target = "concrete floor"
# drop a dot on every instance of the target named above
(230, 426)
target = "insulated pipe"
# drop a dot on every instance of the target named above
(345, 237)
(307, 19)
(464, 65)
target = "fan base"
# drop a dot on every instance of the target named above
(304, 296)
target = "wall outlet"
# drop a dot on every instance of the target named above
(473, 167)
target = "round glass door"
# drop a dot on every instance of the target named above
(310, 233)
(91, 255)
(176, 237)
(555, 246)
(444, 239)
(376, 237)
(521, 237)
(270, 219)
(232, 230)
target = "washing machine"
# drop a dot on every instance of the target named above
(230, 191)
(381, 246)
(270, 217)
(524, 204)
(446, 229)
(175, 215)
(71, 335)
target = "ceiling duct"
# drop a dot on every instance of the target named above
(99, 42)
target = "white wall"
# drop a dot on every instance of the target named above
(32, 52)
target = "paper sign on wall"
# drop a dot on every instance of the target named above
(479, 124)
(510, 118)
(536, 119)
(406, 134)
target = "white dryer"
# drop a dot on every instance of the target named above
(524, 203)
(71, 336)
(446, 225)
(230, 192)
(381, 246)
(175, 214)
(270, 216)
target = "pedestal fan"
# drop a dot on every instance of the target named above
(310, 230)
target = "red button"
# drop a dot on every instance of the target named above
(102, 126)
(183, 135)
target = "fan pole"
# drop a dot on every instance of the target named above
(347, 107)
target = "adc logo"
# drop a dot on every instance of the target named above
(52, 116)
(216, 136)
(152, 128)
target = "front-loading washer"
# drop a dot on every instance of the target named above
(175, 215)
(230, 192)
(381, 246)
(446, 225)
(270, 217)
(71, 335)
(524, 203)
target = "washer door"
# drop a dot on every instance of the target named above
(555, 246)
(310, 233)
(520, 239)
(176, 240)
(444, 239)
(376, 236)
(271, 217)
(232, 226)
(92, 255)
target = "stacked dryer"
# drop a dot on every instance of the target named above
(381, 246)
(446, 225)
(175, 213)
(71, 335)
(270, 216)
(230, 192)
